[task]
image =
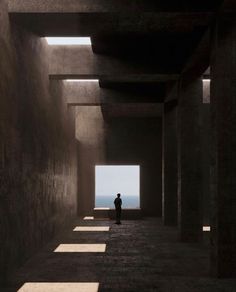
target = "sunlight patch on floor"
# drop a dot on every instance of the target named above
(81, 248)
(88, 218)
(206, 228)
(59, 287)
(92, 228)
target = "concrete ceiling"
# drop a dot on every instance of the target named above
(138, 47)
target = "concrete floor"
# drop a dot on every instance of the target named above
(140, 256)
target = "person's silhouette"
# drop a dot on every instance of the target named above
(118, 203)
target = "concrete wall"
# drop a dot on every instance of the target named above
(206, 131)
(170, 167)
(139, 141)
(90, 135)
(118, 141)
(38, 181)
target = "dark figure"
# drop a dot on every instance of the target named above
(118, 203)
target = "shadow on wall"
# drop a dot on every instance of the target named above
(38, 158)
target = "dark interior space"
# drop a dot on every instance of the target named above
(155, 87)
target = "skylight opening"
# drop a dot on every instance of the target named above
(81, 80)
(92, 228)
(69, 41)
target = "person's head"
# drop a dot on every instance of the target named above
(118, 195)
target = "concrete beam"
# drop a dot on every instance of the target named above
(85, 6)
(72, 23)
(229, 6)
(68, 61)
(200, 59)
(90, 93)
(132, 110)
(131, 78)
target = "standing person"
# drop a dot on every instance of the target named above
(118, 203)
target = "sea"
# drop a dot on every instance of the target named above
(108, 202)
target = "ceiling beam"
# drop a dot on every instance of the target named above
(89, 24)
(69, 62)
(90, 93)
(86, 6)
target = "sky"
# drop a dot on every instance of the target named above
(111, 180)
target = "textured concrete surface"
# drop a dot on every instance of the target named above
(205, 146)
(170, 169)
(138, 141)
(139, 42)
(118, 141)
(90, 134)
(81, 60)
(140, 256)
(86, 6)
(189, 159)
(90, 93)
(37, 158)
(223, 153)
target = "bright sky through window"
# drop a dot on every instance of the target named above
(69, 41)
(113, 179)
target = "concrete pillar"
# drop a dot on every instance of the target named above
(189, 159)
(170, 185)
(205, 152)
(223, 151)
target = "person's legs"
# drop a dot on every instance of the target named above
(118, 215)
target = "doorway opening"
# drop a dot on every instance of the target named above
(113, 179)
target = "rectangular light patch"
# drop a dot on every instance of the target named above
(81, 248)
(81, 80)
(68, 41)
(92, 228)
(88, 218)
(206, 228)
(59, 287)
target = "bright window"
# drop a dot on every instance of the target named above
(113, 179)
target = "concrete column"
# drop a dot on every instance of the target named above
(205, 152)
(189, 159)
(223, 152)
(170, 185)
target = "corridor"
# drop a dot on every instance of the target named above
(140, 255)
(90, 84)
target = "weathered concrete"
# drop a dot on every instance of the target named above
(138, 141)
(127, 214)
(205, 159)
(189, 159)
(90, 93)
(132, 110)
(81, 60)
(223, 155)
(90, 134)
(140, 255)
(85, 6)
(132, 78)
(118, 141)
(94, 23)
(170, 169)
(37, 158)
